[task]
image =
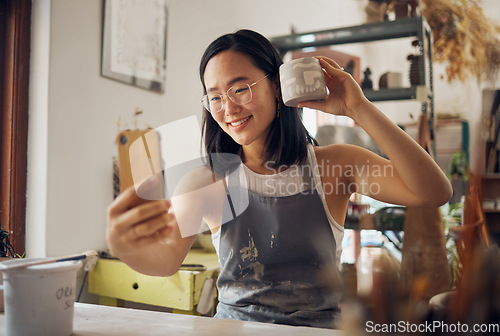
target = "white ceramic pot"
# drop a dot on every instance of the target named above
(39, 299)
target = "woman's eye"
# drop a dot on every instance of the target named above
(241, 90)
(215, 99)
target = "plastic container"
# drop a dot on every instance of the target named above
(39, 300)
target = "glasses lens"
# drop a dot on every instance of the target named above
(213, 103)
(240, 94)
(205, 103)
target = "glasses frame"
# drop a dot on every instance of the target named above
(206, 104)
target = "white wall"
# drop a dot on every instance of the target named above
(36, 198)
(70, 177)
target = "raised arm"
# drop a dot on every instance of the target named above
(409, 176)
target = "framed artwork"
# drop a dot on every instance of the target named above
(134, 42)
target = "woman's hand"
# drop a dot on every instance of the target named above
(345, 94)
(135, 223)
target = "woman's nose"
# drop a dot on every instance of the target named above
(230, 107)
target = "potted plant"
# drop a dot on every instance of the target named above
(6, 253)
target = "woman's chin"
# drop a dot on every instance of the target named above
(242, 142)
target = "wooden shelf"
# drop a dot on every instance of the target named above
(490, 182)
(491, 176)
(490, 191)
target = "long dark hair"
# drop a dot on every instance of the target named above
(288, 138)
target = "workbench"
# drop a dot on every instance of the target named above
(97, 320)
(115, 283)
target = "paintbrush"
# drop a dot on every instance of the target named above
(10, 266)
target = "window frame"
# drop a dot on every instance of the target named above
(15, 40)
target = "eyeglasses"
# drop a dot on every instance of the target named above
(240, 94)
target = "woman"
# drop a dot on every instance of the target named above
(279, 256)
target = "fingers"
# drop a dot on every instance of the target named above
(133, 218)
(122, 201)
(151, 228)
(144, 241)
(313, 105)
(329, 64)
(333, 74)
(129, 198)
(148, 211)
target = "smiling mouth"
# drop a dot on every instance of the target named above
(240, 122)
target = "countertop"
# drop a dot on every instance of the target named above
(94, 320)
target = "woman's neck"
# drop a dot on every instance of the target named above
(253, 158)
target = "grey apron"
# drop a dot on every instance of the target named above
(278, 261)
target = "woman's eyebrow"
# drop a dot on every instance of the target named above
(230, 83)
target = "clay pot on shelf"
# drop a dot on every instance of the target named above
(414, 74)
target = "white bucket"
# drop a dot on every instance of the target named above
(39, 300)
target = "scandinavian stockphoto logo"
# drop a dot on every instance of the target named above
(166, 164)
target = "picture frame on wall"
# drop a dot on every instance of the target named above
(134, 42)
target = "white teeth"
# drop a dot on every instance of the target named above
(239, 122)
